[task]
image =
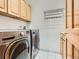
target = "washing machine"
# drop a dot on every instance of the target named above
(14, 45)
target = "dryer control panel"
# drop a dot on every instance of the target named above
(6, 37)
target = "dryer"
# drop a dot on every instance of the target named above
(14, 45)
(34, 41)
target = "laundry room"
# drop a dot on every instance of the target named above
(39, 29)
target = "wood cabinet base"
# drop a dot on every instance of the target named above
(12, 16)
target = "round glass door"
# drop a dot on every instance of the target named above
(18, 50)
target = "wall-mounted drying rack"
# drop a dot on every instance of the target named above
(54, 13)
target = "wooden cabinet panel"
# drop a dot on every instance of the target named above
(14, 7)
(76, 7)
(3, 5)
(29, 11)
(63, 48)
(69, 14)
(76, 21)
(69, 7)
(76, 53)
(23, 9)
(76, 13)
(69, 50)
(69, 22)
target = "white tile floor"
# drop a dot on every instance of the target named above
(47, 55)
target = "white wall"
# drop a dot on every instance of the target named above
(49, 38)
(10, 23)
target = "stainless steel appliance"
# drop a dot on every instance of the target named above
(34, 42)
(14, 45)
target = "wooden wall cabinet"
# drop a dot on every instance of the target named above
(3, 5)
(23, 9)
(14, 7)
(19, 9)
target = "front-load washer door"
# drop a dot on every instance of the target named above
(18, 49)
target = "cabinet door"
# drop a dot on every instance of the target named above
(14, 7)
(23, 9)
(3, 5)
(29, 12)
